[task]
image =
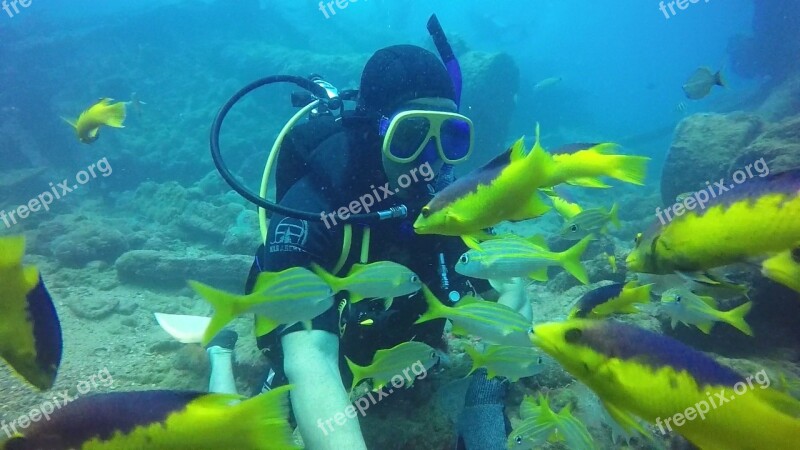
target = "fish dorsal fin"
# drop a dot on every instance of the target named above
(708, 301)
(103, 101)
(517, 150)
(356, 268)
(471, 242)
(539, 241)
(467, 299)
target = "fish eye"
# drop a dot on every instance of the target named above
(573, 335)
(433, 355)
(518, 440)
(414, 279)
(638, 239)
(678, 298)
(574, 228)
(463, 259)
(426, 212)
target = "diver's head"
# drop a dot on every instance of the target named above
(409, 94)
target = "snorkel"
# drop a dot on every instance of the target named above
(436, 31)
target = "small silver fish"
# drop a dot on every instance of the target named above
(589, 221)
(683, 305)
(700, 83)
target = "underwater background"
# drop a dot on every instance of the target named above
(120, 247)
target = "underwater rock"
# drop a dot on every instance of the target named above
(783, 101)
(85, 240)
(94, 308)
(244, 237)
(702, 150)
(173, 269)
(491, 81)
(779, 145)
(203, 220)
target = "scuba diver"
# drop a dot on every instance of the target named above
(405, 120)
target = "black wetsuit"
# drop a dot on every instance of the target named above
(337, 165)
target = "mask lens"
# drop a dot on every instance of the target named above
(455, 138)
(408, 137)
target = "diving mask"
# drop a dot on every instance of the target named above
(408, 133)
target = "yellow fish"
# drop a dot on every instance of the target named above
(87, 127)
(756, 218)
(636, 372)
(164, 420)
(507, 188)
(784, 268)
(30, 333)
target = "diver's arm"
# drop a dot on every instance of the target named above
(318, 395)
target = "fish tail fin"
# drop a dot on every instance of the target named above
(358, 372)
(735, 318)
(571, 259)
(719, 79)
(114, 115)
(12, 249)
(436, 309)
(476, 357)
(263, 418)
(630, 169)
(223, 304)
(613, 215)
(330, 279)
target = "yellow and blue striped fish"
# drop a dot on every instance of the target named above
(636, 372)
(30, 333)
(758, 218)
(164, 420)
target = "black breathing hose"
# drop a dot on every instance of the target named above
(256, 199)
